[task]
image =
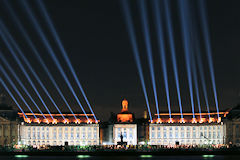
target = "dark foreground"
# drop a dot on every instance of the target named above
(134, 153)
(147, 157)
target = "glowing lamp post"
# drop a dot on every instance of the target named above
(77, 121)
(194, 120)
(54, 121)
(66, 121)
(28, 120)
(159, 120)
(211, 120)
(170, 120)
(182, 120)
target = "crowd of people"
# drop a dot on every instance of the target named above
(119, 148)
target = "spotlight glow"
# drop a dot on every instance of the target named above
(195, 79)
(16, 90)
(144, 21)
(51, 52)
(207, 41)
(161, 46)
(4, 60)
(172, 51)
(133, 41)
(20, 64)
(183, 5)
(63, 51)
(10, 93)
(24, 33)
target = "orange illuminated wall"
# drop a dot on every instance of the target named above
(125, 116)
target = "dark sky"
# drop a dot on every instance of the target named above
(94, 35)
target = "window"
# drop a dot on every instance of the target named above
(72, 129)
(152, 142)
(164, 128)
(119, 135)
(95, 135)
(95, 128)
(205, 128)
(194, 135)
(176, 134)
(153, 128)
(72, 137)
(83, 135)
(124, 134)
(194, 128)
(170, 128)
(201, 128)
(176, 128)
(214, 135)
(34, 136)
(164, 134)
(188, 128)
(38, 135)
(182, 128)
(60, 135)
(89, 135)
(188, 134)
(218, 135)
(131, 129)
(131, 136)
(77, 135)
(43, 135)
(54, 135)
(209, 135)
(47, 135)
(66, 129)
(66, 136)
(170, 135)
(159, 134)
(159, 128)
(153, 135)
(119, 129)
(182, 134)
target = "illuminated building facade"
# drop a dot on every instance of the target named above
(125, 126)
(58, 131)
(189, 131)
(233, 126)
(8, 124)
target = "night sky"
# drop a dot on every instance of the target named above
(95, 37)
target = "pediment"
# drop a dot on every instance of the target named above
(3, 119)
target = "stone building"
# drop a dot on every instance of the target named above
(123, 125)
(8, 124)
(57, 132)
(233, 126)
(198, 131)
